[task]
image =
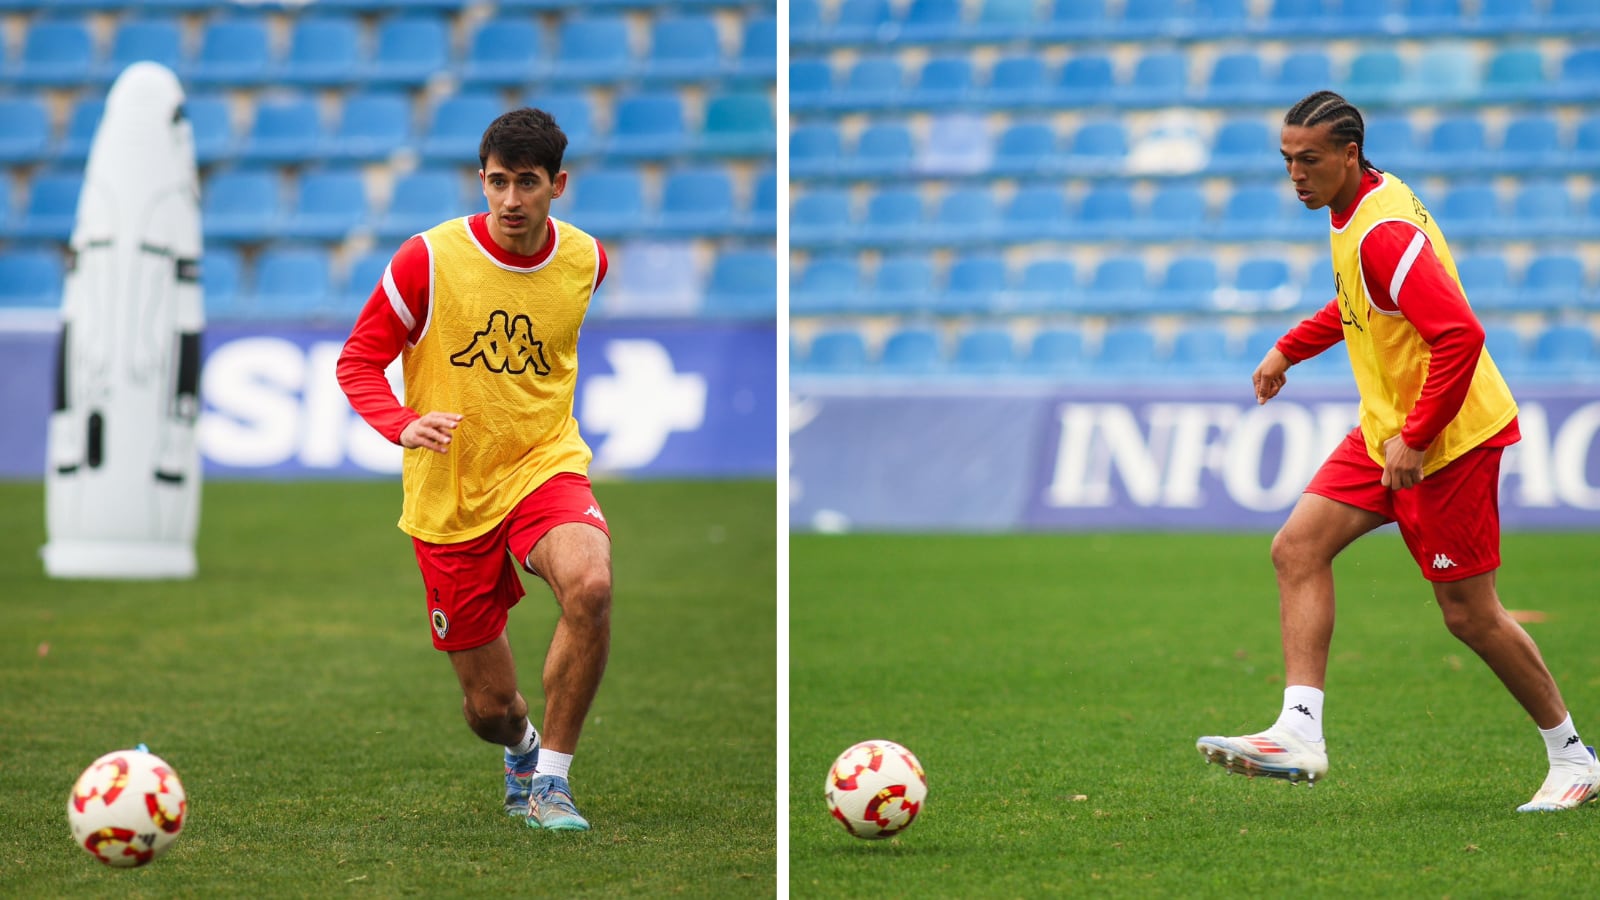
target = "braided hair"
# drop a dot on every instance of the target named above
(1344, 120)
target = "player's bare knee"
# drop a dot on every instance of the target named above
(586, 598)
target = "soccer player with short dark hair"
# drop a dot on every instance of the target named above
(483, 312)
(1435, 417)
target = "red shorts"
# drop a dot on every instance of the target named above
(472, 584)
(1450, 521)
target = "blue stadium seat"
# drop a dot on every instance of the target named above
(241, 205)
(1576, 15)
(1554, 280)
(408, 50)
(372, 126)
(455, 127)
(814, 148)
(840, 351)
(893, 215)
(1497, 17)
(931, 21)
(1532, 141)
(810, 83)
(1202, 351)
(1261, 283)
(136, 39)
(1160, 78)
(212, 122)
(1242, 145)
(1056, 351)
(1127, 351)
(1376, 76)
(758, 49)
(1458, 143)
(609, 202)
(575, 113)
(292, 282)
(1150, 18)
(1119, 285)
(363, 277)
(903, 284)
(1390, 141)
(1106, 210)
(1515, 73)
(1563, 350)
(965, 215)
(1542, 209)
(503, 51)
(30, 278)
(323, 51)
(860, 20)
(1099, 147)
(1017, 80)
(1486, 279)
(1085, 78)
(1580, 75)
(743, 283)
(698, 201)
(1036, 212)
(1046, 285)
(1293, 15)
(1443, 73)
(422, 199)
(1078, 19)
(975, 283)
(1470, 210)
(221, 274)
(821, 214)
(25, 130)
(1236, 77)
(235, 51)
(286, 130)
(912, 350)
(1302, 72)
(872, 82)
(82, 122)
(1506, 347)
(593, 48)
(648, 124)
(943, 81)
(52, 206)
(1253, 211)
(1189, 284)
(1004, 20)
(684, 46)
(1025, 147)
(761, 214)
(1177, 211)
(883, 148)
(984, 350)
(827, 283)
(56, 53)
(739, 124)
(1586, 143)
(328, 206)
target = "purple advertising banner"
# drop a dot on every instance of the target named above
(655, 399)
(1178, 457)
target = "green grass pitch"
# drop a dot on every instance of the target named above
(294, 688)
(1053, 687)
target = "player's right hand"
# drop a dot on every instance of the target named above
(430, 431)
(1270, 376)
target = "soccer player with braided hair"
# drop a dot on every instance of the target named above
(1435, 417)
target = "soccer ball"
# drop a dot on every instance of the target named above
(127, 808)
(875, 789)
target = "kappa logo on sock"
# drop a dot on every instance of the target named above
(1570, 741)
(1301, 708)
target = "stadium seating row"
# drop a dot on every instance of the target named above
(899, 216)
(933, 22)
(1136, 352)
(305, 282)
(377, 125)
(1531, 143)
(251, 205)
(506, 50)
(1124, 284)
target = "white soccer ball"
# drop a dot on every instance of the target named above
(876, 788)
(127, 808)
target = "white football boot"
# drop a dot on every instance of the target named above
(1274, 753)
(1568, 785)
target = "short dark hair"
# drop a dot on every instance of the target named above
(524, 138)
(1328, 108)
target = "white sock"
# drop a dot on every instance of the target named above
(1302, 712)
(1563, 743)
(529, 740)
(553, 763)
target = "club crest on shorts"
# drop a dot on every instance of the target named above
(441, 623)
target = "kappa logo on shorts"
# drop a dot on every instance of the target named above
(1440, 561)
(594, 511)
(441, 623)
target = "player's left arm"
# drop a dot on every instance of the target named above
(1405, 277)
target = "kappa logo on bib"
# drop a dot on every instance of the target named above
(441, 623)
(504, 345)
